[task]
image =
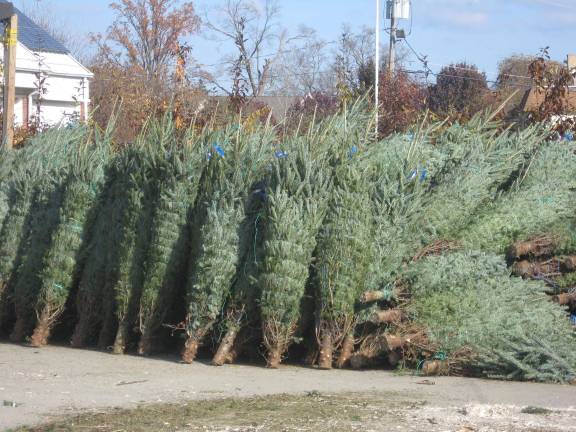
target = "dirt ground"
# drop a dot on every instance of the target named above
(72, 390)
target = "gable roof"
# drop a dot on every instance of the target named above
(34, 37)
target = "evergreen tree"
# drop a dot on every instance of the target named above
(237, 160)
(46, 201)
(295, 208)
(468, 300)
(342, 260)
(176, 173)
(63, 259)
(131, 195)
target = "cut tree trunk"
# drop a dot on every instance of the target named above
(436, 367)
(360, 360)
(346, 351)
(225, 348)
(274, 358)
(121, 339)
(190, 351)
(527, 269)
(146, 344)
(538, 246)
(395, 342)
(42, 331)
(372, 296)
(389, 316)
(569, 264)
(326, 348)
(565, 299)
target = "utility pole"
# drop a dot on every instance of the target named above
(393, 28)
(377, 67)
(10, 20)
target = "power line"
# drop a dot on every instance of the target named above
(227, 63)
(428, 71)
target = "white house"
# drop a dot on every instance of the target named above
(43, 63)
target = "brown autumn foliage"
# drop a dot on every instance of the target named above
(461, 91)
(140, 68)
(313, 107)
(402, 101)
(147, 34)
(552, 83)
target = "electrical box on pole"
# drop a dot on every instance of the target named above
(399, 9)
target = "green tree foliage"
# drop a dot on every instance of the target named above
(46, 201)
(537, 200)
(237, 160)
(92, 296)
(295, 208)
(230, 231)
(63, 261)
(342, 257)
(469, 301)
(132, 195)
(167, 253)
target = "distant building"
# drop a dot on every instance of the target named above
(534, 98)
(66, 82)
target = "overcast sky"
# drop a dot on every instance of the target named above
(477, 31)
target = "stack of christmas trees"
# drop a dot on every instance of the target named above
(323, 246)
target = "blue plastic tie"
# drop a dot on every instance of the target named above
(281, 154)
(219, 150)
(423, 175)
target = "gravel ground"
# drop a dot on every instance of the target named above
(42, 385)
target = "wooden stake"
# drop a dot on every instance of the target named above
(10, 44)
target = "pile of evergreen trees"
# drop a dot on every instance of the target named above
(323, 245)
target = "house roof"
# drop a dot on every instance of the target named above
(534, 98)
(34, 37)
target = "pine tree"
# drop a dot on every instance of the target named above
(63, 259)
(93, 298)
(236, 162)
(425, 194)
(166, 256)
(14, 231)
(242, 309)
(46, 201)
(342, 260)
(131, 195)
(37, 164)
(468, 300)
(295, 208)
(542, 195)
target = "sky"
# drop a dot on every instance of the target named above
(481, 32)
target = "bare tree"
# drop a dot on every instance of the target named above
(353, 56)
(304, 69)
(253, 29)
(354, 60)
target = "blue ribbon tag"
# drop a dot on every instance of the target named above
(219, 150)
